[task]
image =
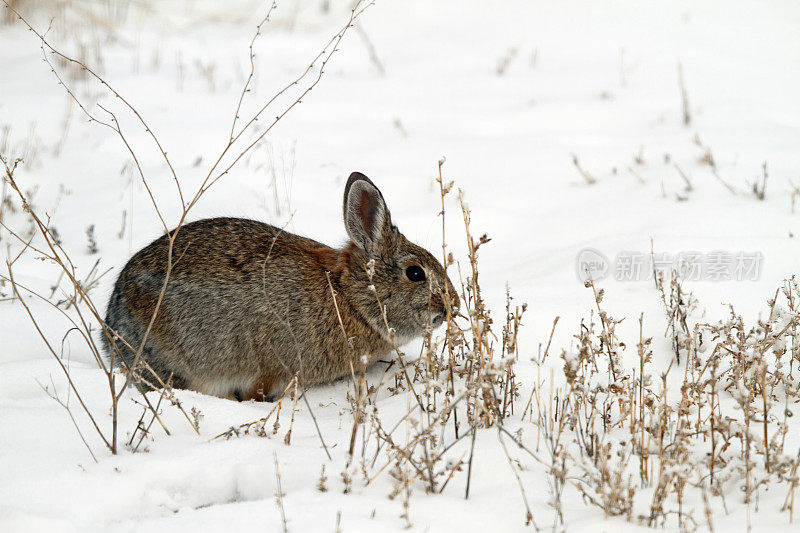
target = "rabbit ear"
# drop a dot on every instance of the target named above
(365, 214)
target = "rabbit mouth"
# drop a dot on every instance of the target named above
(434, 319)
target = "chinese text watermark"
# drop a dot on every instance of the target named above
(694, 266)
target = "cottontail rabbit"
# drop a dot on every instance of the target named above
(249, 306)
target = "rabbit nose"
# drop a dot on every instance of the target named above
(454, 304)
(451, 297)
(440, 308)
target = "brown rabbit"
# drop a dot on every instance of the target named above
(249, 306)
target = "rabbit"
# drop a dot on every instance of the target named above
(249, 306)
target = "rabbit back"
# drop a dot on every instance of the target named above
(247, 306)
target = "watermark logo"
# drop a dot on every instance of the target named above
(592, 265)
(694, 266)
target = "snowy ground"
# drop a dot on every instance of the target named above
(507, 92)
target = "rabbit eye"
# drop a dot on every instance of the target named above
(415, 273)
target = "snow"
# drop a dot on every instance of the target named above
(594, 79)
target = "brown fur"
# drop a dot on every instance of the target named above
(260, 390)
